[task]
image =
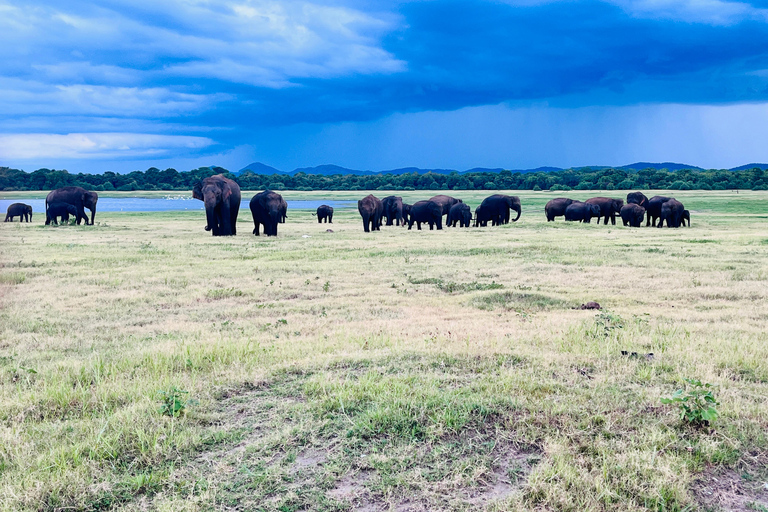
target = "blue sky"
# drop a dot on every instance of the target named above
(127, 84)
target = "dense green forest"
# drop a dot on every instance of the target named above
(571, 179)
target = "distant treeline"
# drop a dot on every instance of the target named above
(572, 179)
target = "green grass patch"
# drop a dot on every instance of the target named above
(519, 300)
(452, 287)
(13, 277)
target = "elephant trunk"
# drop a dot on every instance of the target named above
(274, 218)
(93, 214)
(518, 209)
(210, 216)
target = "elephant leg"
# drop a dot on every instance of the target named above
(365, 223)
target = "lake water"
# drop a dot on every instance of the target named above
(140, 204)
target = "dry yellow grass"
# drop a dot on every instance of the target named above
(412, 369)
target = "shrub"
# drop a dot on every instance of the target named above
(697, 405)
(173, 402)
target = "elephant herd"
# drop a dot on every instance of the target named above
(494, 209)
(663, 209)
(221, 197)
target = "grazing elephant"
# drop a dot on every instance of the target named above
(393, 210)
(608, 208)
(632, 215)
(56, 210)
(222, 204)
(582, 212)
(283, 210)
(76, 196)
(20, 210)
(653, 210)
(267, 210)
(324, 213)
(460, 213)
(497, 207)
(672, 213)
(445, 202)
(429, 212)
(637, 198)
(556, 207)
(686, 217)
(371, 210)
(482, 217)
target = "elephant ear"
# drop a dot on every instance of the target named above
(197, 191)
(226, 193)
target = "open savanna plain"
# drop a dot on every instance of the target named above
(397, 370)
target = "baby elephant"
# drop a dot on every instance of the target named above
(632, 215)
(581, 211)
(20, 210)
(56, 210)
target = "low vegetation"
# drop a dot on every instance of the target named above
(146, 365)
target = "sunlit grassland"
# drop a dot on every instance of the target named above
(411, 370)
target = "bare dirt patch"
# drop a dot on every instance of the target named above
(732, 490)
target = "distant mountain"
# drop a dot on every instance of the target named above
(670, 166)
(260, 168)
(331, 169)
(749, 166)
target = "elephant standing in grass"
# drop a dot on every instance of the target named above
(496, 208)
(324, 213)
(77, 197)
(483, 216)
(371, 210)
(686, 217)
(609, 208)
(406, 213)
(632, 215)
(582, 212)
(267, 210)
(653, 210)
(55, 210)
(20, 210)
(672, 213)
(460, 213)
(428, 212)
(283, 210)
(637, 198)
(556, 208)
(445, 202)
(393, 210)
(221, 196)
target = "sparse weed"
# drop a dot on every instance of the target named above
(697, 404)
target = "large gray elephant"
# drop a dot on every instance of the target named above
(609, 208)
(429, 212)
(632, 215)
(393, 210)
(460, 213)
(222, 204)
(267, 210)
(496, 208)
(583, 212)
(556, 207)
(653, 210)
(371, 210)
(77, 197)
(672, 213)
(20, 210)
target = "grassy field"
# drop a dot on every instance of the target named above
(399, 370)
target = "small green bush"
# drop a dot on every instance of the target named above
(173, 402)
(697, 405)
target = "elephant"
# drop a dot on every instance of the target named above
(445, 202)
(55, 210)
(653, 210)
(556, 207)
(20, 210)
(581, 211)
(672, 213)
(498, 206)
(686, 217)
(393, 210)
(76, 196)
(632, 215)
(283, 210)
(372, 210)
(637, 198)
(482, 217)
(406, 212)
(324, 213)
(429, 212)
(222, 204)
(608, 208)
(460, 213)
(267, 209)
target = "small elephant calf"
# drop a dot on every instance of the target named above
(56, 210)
